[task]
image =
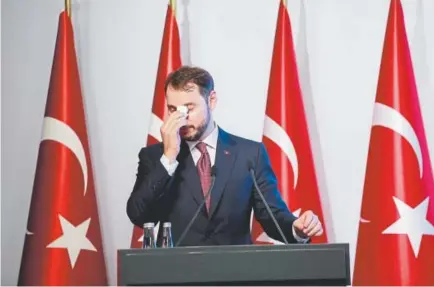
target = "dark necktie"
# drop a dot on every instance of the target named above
(204, 170)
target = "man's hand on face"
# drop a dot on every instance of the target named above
(170, 134)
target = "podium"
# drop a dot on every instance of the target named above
(293, 264)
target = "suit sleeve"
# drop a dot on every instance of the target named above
(146, 199)
(267, 182)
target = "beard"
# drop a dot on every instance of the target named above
(199, 130)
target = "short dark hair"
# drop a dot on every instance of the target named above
(181, 78)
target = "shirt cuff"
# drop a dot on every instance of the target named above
(170, 167)
(298, 238)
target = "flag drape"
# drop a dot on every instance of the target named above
(63, 244)
(285, 134)
(170, 60)
(395, 243)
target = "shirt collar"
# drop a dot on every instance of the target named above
(210, 140)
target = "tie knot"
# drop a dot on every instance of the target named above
(201, 146)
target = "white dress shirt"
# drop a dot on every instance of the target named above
(211, 146)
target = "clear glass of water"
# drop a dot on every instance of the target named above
(166, 239)
(148, 235)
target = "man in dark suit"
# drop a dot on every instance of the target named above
(174, 175)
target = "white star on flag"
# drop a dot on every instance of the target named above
(265, 238)
(412, 222)
(73, 239)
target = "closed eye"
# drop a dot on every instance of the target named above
(171, 108)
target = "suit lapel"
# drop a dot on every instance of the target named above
(188, 174)
(224, 160)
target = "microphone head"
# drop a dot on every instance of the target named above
(213, 170)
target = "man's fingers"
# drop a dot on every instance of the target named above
(178, 123)
(298, 224)
(178, 115)
(312, 223)
(316, 230)
(175, 125)
(182, 122)
(167, 128)
(303, 221)
(179, 119)
(308, 217)
(172, 117)
(172, 122)
(309, 224)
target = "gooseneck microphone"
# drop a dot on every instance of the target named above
(208, 194)
(252, 173)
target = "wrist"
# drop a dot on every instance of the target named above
(170, 155)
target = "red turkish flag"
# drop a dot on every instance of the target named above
(395, 243)
(286, 135)
(63, 240)
(170, 60)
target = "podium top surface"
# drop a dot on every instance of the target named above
(235, 248)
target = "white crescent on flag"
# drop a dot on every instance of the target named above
(56, 130)
(277, 134)
(390, 118)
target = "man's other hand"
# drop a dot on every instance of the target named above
(308, 225)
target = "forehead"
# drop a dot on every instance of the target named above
(189, 94)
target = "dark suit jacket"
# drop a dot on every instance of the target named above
(156, 196)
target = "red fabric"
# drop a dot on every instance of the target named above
(286, 126)
(63, 244)
(395, 243)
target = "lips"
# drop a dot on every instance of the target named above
(185, 129)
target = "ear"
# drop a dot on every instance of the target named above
(212, 100)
